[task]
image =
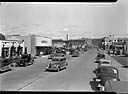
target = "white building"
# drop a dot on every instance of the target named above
(5, 47)
(34, 43)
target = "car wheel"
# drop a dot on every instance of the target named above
(13, 64)
(25, 64)
(102, 89)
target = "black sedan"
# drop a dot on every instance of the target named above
(103, 74)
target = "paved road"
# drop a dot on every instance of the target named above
(22, 76)
(76, 77)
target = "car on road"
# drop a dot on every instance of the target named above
(57, 64)
(99, 56)
(116, 86)
(50, 56)
(75, 54)
(103, 74)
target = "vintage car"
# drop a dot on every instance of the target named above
(58, 55)
(104, 62)
(5, 64)
(24, 60)
(99, 56)
(75, 54)
(103, 74)
(57, 64)
(50, 56)
(116, 86)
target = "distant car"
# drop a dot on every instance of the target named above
(103, 74)
(99, 56)
(56, 55)
(75, 54)
(50, 56)
(57, 64)
(116, 86)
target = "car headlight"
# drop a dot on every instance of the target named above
(114, 79)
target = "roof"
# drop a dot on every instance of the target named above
(105, 64)
(107, 67)
(104, 60)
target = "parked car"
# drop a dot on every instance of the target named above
(75, 54)
(103, 74)
(99, 56)
(57, 64)
(56, 55)
(116, 86)
(50, 56)
(24, 60)
(104, 62)
(5, 64)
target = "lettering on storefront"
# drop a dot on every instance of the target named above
(43, 41)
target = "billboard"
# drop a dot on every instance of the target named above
(43, 41)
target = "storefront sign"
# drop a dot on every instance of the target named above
(43, 41)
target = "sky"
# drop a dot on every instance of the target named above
(56, 20)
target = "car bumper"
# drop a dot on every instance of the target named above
(47, 68)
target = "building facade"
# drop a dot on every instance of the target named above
(35, 44)
(9, 48)
(72, 43)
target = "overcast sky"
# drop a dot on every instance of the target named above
(57, 20)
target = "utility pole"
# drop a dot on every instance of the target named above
(67, 37)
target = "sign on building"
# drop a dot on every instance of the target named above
(43, 41)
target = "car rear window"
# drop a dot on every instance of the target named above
(107, 70)
(106, 62)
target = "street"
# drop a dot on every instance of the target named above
(77, 76)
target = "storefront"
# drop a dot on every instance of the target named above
(43, 45)
(9, 48)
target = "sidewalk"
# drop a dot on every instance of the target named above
(123, 72)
